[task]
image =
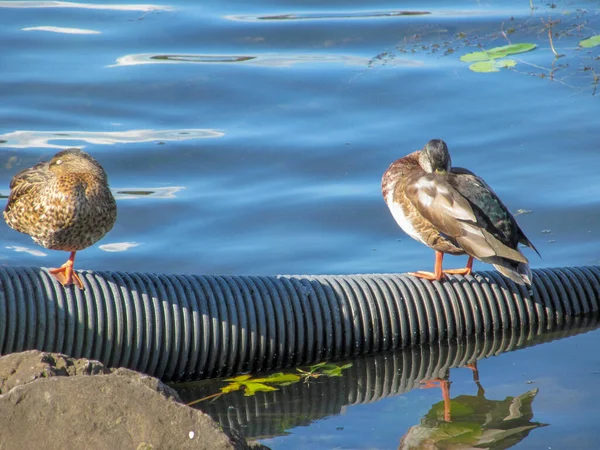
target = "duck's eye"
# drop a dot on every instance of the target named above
(438, 170)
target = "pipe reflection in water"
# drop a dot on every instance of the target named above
(373, 378)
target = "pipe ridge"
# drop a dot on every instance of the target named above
(172, 310)
(300, 355)
(243, 340)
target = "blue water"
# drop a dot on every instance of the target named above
(250, 138)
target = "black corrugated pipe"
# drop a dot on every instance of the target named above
(180, 327)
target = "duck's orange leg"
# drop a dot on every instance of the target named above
(66, 275)
(473, 367)
(466, 271)
(438, 274)
(445, 385)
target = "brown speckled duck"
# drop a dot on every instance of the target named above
(64, 204)
(452, 210)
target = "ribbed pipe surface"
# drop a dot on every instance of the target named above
(186, 327)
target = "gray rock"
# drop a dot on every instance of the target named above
(45, 403)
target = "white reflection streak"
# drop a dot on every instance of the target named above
(18, 248)
(48, 4)
(62, 30)
(146, 192)
(27, 138)
(262, 60)
(118, 246)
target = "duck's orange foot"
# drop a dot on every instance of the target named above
(66, 275)
(426, 275)
(435, 383)
(465, 271)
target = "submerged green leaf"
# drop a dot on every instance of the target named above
(590, 42)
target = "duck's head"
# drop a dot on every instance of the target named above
(74, 160)
(434, 157)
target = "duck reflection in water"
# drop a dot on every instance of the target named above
(472, 421)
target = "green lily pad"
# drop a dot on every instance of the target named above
(475, 56)
(591, 42)
(512, 49)
(497, 52)
(484, 67)
(505, 63)
(492, 66)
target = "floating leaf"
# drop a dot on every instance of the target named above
(497, 53)
(512, 49)
(240, 378)
(505, 63)
(475, 56)
(317, 366)
(492, 66)
(591, 42)
(484, 67)
(333, 372)
(252, 388)
(231, 387)
(278, 378)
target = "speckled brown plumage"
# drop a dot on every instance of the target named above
(63, 204)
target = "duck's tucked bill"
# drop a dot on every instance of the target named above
(452, 210)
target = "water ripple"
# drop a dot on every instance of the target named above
(27, 139)
(258, 60)
(51, 4)
(136, 193)
(330, 15)
(64, 30)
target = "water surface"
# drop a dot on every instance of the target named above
(250, 138)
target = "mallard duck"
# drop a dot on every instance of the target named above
(452, 210)
(64, 204)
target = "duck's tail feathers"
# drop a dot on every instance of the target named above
(518, 272)
(529, 244)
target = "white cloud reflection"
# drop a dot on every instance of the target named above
(31, 251)
(26, 138)
(118, 246)
(63, 30)
(50, 4)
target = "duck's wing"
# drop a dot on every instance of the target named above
(448, 206)
(489, 208)
(26, 181)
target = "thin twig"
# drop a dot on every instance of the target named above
(218, 394)
(556, 55)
